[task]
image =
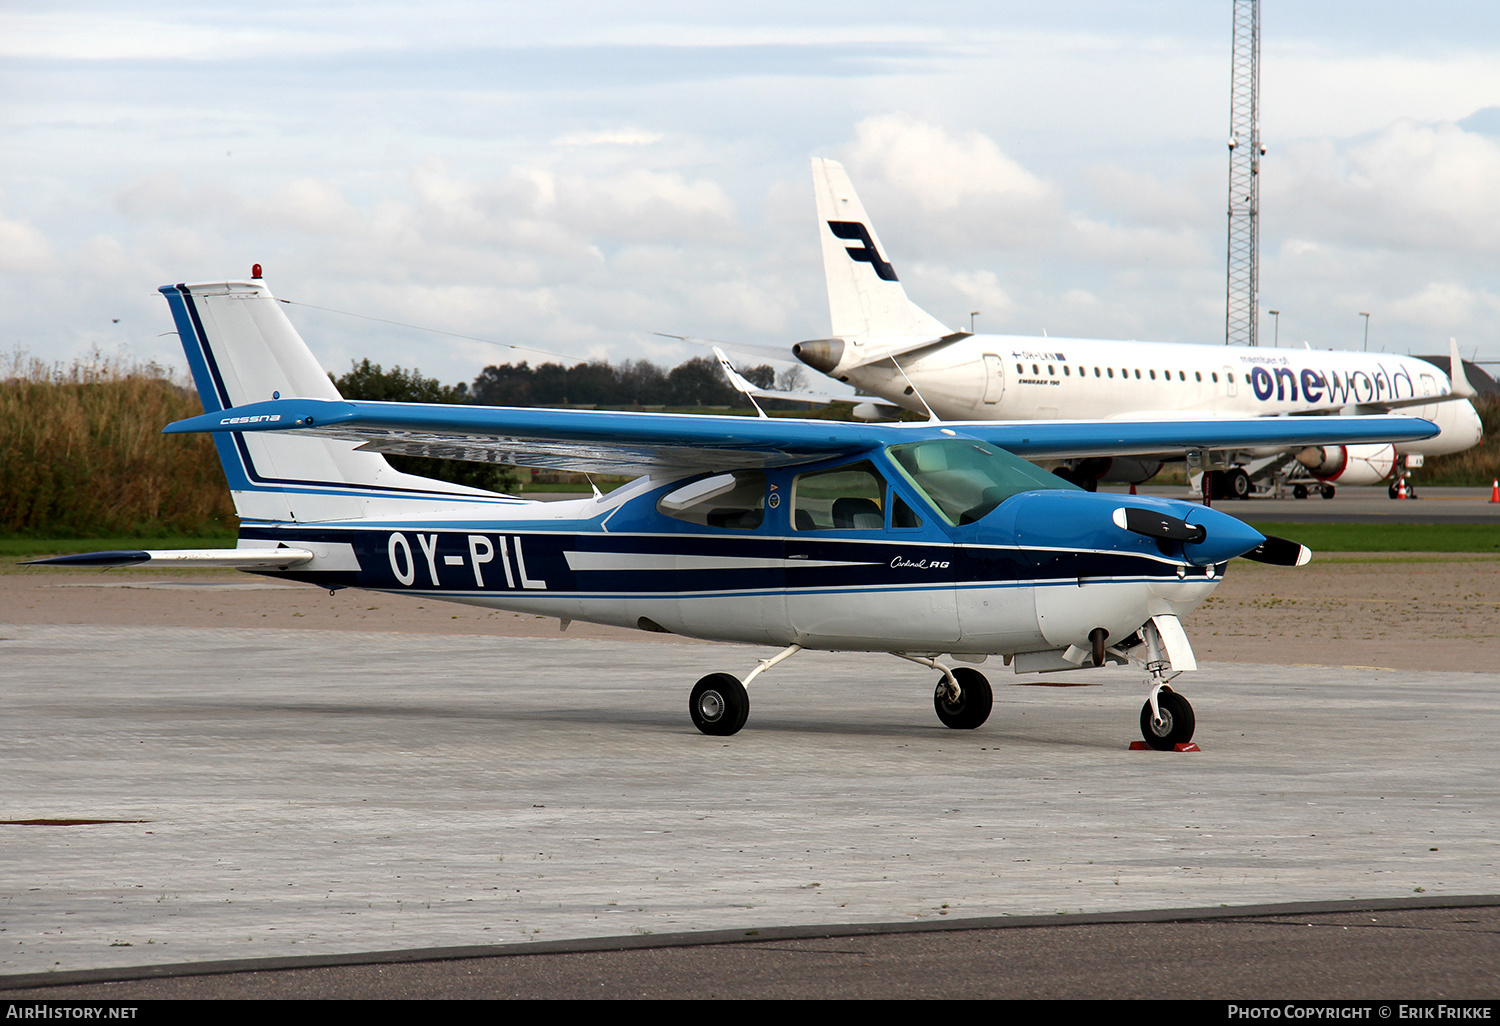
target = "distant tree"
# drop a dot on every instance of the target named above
(763, 376)
(503, 385)
(642, 383)
(370, 381)
(699, 382)
(791, 379)
(592, 384)
(549, 384)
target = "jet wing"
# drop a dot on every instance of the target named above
(638, 443)
(749, 388)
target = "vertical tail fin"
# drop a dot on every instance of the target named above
(865, 299)
(242, 349)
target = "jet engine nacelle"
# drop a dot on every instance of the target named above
(1349, 464)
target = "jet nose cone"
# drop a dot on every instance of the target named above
(821, 354)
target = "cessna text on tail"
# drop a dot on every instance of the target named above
(888, 347)
(921, 540)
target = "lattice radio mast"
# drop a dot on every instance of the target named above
(1244, 178)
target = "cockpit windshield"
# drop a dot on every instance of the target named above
(965, 479)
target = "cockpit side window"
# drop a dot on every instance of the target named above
(965, 479)
(736, 501)
(849, 498)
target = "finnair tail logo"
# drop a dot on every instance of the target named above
(866, 253)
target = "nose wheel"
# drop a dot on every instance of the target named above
(1173, 726)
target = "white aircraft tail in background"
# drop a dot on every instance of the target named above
(865, 297)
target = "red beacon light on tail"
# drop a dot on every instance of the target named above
(255, 271)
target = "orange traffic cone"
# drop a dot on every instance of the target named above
(1132, 492)
(1401, 488)
(1495, 491)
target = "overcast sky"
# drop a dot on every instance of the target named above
(577, 176)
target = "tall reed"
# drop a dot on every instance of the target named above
(82, 453)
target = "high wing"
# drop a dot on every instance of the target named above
(639, 443)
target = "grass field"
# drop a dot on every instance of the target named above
(1389, 537)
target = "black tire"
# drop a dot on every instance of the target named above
(719, 705)
(1328, 491)
(1392, 491)
(1299, 491)
(975, 700)
(1239, 484)
(1177, 721)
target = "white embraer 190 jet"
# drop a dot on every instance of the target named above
(921, 540)
(888, 347)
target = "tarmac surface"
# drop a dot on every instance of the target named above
(222, 786)
(187, 794)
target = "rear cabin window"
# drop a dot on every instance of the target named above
(736, 501)
(850, 498)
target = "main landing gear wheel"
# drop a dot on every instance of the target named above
(719, 705)
(1177, 723)
(975, 700)
(1239, 484)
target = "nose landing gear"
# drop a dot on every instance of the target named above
(1170, 724)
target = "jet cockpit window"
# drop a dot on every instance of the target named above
(850, 498)
(736, 500)
(964, 480)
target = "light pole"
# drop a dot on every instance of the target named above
(1367, 331)
(1275, 327)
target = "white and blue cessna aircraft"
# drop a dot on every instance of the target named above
(921, 540)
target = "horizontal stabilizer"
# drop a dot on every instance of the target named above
(224, 559)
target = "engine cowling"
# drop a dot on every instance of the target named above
(1349, 464)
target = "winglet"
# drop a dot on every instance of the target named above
(737, 380)
(1456, 373)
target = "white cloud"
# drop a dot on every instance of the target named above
(609, 137)
(24, 249)
(937, 170)
(1411, 184)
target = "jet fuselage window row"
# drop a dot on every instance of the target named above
(1083, 372)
